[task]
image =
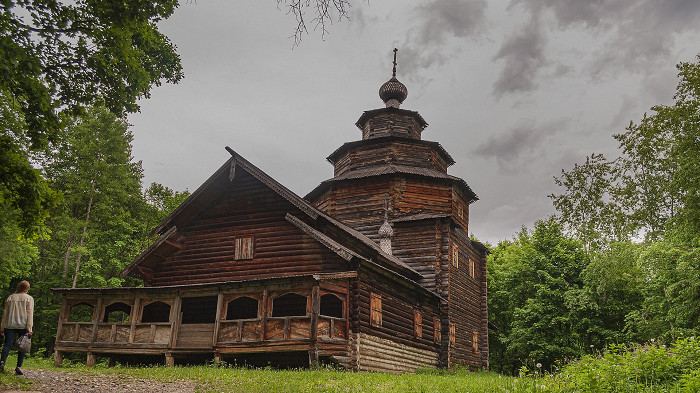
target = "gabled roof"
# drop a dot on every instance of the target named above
(210, 190)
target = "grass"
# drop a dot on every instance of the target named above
(232, 379)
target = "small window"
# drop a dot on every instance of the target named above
(437, 331)
(117, 313)
(81, 312)
(375, 309)
(289, 305)
(242, 308)
(472, 269)
(156, 312)
(453, 334)
(199, 309)
(460, 211)
(417, 324)
(475, 341)
(244, 248)
(455, 256)
(331, 306)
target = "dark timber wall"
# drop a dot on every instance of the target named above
(247, 209)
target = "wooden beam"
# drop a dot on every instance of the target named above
(217, 322)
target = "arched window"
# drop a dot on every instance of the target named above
(81, 312)
(117, 313)
(289, 305)
(242, 308)
(156, 312)
(331, 306)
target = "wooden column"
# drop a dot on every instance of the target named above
(132, 318)
(96, 316)
(217, 322)
(62, 316)
(174, 322)
(315, 311)
(263, 322)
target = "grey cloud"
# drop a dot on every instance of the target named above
(523, 54)
(512, 148)
(439, 21)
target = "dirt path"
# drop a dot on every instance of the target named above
(75, 382)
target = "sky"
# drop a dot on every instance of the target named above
(515, 91)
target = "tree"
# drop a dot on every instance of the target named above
(324, 12)
(58, 59)
(531, 281)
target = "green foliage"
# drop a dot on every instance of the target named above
(533, 281)
(652, 367)
(57, 59)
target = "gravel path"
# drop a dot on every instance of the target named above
(74, 382)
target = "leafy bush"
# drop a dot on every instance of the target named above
(652, 367)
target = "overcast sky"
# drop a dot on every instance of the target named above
(514, 90)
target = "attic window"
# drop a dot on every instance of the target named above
(117, 313)
(455, 256)
(156, 312)
(453, 334)
(460, 211)
(375, 310)
(437, 331)
(417, 324)
(289, 305)
(244, 248)
(242, 308)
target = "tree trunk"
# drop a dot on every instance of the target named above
(66, 261)
(82, 236)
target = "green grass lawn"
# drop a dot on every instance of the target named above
(227, 379)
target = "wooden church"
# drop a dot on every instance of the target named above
(372, 270)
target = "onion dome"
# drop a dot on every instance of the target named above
(393, 92)
(386, 230)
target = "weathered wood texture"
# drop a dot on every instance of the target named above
(398, 304)
(374, 353)
(391, 123)
(467, 303)
(391, 152)
(247, 209)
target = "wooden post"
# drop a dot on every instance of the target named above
(96, 316)
(218, 357)
(169, 360)
(132, 318)
(57, 358)
(91, 359)
(110, 361)
(315, 311)
(217, 324)
(175, 322)
(62, 316)
(264, 316)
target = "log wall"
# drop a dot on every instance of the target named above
(391, 152)
(372, 353)
(253, 210)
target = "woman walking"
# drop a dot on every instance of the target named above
(17, 320)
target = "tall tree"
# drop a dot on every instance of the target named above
(59, 58)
